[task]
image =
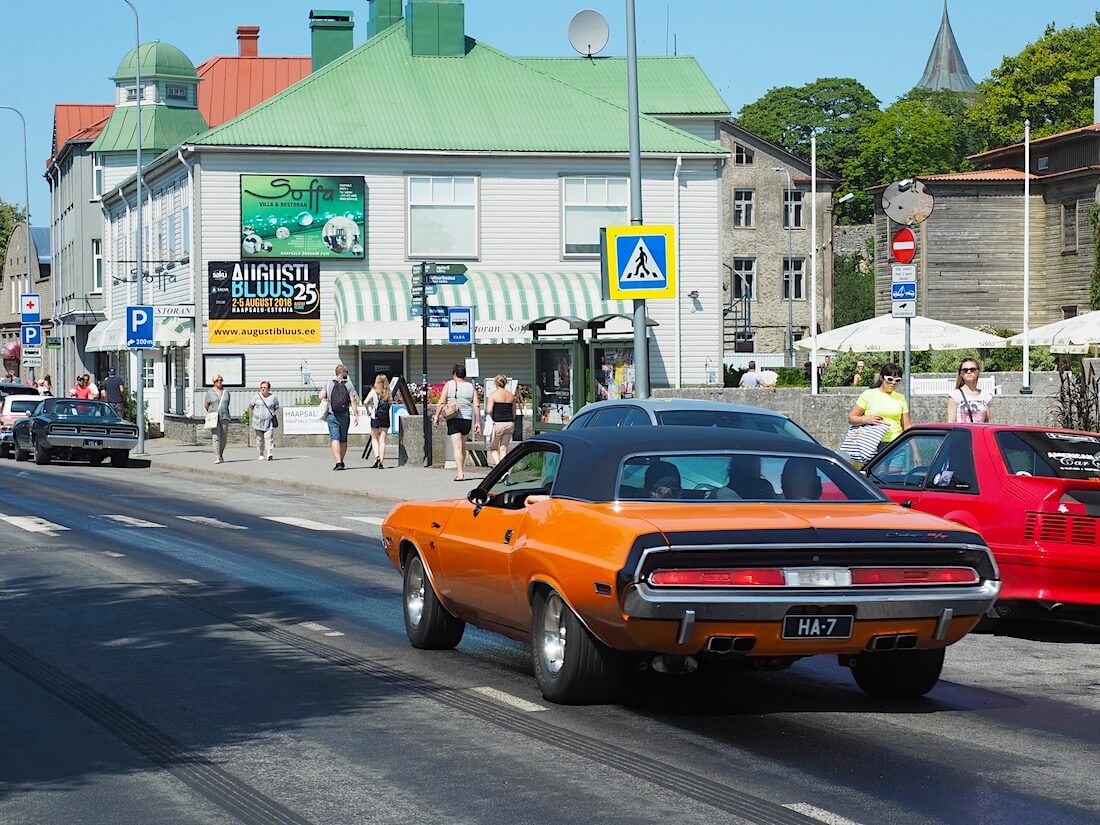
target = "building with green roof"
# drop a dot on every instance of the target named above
(425, 144)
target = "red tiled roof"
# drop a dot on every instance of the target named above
(1095, 127)
(232, 85)
(980, 174)
(71, 118)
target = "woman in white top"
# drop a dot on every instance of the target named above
(462, 393)
(968, 404)
(379, 396)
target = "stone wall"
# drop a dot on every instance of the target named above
(851, 239)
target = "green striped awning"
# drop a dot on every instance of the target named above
(373, 308)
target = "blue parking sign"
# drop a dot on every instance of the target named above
(139, 327)
(30, 335)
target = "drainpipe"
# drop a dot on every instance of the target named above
(176, 378)
(195, 265)
(676, 235)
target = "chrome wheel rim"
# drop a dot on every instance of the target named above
(414, 591)
(552, 639)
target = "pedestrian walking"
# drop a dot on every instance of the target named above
(343, 406)
(968, 404)
(216, 405)
(458, 405)
(883, 405)
(114, 393)
(500, 406)
(92, 387)
(750, 380)
(264, 416)
(378, 404)
(81, 388)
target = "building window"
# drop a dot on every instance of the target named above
(443, 217)
(744, 277)
(1044, 164)
(588, 204)
(743, 203)
(175, 92)
(1069, 311)
(799, 267)
(97, 177)
(148, 373)
(742, 155)
(793, 203)
(97, 265)
(1069, 226)
(744, 342)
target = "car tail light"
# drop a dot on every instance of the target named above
(741, 577)
(914, 575)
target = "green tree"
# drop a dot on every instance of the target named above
(841, 108)
(1048, 83)
(10, 215)
(912, 137)
(853, 290)
(956, 106)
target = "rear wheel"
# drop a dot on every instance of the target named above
(120, 458)
(20, 454)
(41, 454)
(898, 674)
(571, 666)
(427, 623)
(5, 451)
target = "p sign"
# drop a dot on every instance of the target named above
(30, 335)
(139, 327)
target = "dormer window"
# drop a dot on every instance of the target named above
(742, 155)
(128, 94)
(175, 92)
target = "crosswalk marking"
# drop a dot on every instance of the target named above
(212, 522)
(307, 524)
(508, 699)
(130, 521)
(112, 554)
(33, 524)
(366, 519)
(820, 814)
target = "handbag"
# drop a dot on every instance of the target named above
(450, 408)
(490, 425)
(211, 422)
(862, 440)
(322, 410)
(272, 413)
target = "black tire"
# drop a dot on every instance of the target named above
(427, 623)
(120, 458)
(20, 454)
(95, 459)
(5, 451)
(571, 666)
(898, 674)
(41, 454)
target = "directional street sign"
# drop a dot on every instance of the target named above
(904, 245)
(640, 262)
(434, 311)
(460, 325)
(30, 335)
(444, 269)
(417, 291)
(903, 292)
(903, 273)
(903, 309)
(32, 357)
(139, 327)
(448, 279)
(53, 343)
(30, 308)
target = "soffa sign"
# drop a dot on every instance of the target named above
(302, 216)
(264, 302)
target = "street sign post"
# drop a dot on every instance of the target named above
(903, 273)
(903, 292)
(53, 343)
(30, 308)
(139, 327)
(641, 262)
(903, 246)
(460, 325)
(30, 335)
(32, 357)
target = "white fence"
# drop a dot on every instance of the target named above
(764, 360)
(945, 386)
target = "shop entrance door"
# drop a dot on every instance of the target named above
(388, 363)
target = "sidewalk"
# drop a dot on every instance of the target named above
(310, 469)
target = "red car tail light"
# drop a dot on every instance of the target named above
(738, 577)
(914, 575)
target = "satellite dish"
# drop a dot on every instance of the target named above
(907, 202)
(588, 32)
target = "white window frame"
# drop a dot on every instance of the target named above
(97, 176)
(743, 155)
(798, 265)
(149, 373)
(751, 211)
(442, 254)
(595, 179)
(738, 278)
(97, 266)
(181, 91)
(798, 201)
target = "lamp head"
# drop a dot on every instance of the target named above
(846, 198)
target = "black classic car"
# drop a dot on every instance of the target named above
(74, 429)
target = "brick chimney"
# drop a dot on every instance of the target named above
(248, 41)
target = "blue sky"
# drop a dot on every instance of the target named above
(64, 51)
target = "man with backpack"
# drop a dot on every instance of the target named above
(343, 405)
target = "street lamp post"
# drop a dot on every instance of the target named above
(27, 196)
(788, 212)
(641, 342)
(1025, 388)
(138, 279)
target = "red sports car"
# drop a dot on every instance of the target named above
(1033, 494)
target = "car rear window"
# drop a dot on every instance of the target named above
(733, 420)
(1051, 454)
(730, 477)
(22, 406)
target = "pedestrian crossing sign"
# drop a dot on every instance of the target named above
(639, 262)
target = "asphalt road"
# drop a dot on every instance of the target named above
(173, 650)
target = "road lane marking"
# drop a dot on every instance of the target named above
(212, 522)
(366, 519)
(130, 521)
(33, 524)
(312, 626)
(191, 582)
(113, 554)
(334, 633)
(306, 524)
(508, 699)
(820, 814)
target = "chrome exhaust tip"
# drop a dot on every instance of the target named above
(720, 644)
(880, 643)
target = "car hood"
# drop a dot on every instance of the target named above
(85, 420)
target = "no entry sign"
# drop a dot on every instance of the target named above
(904, 245)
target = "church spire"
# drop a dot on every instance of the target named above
(946, 68)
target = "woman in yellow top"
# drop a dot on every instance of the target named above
(883, 404)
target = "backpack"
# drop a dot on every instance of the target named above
(339, 400)
(382, 413)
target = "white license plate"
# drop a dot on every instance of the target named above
(92, 442)
(818, 576)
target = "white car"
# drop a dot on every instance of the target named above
(12, 408)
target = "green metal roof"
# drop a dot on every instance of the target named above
(162, 127)
(379, 96)
(666, 85)
(159, 60)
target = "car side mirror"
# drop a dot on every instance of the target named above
(479, 498)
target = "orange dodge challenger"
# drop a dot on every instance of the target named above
(672, 546)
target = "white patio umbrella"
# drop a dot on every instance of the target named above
(1070, 335)
(887, 334)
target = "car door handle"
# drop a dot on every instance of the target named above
(436, 525)
(907, 503)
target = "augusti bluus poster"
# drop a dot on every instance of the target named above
(302, 216)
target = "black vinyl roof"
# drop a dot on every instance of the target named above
(590, 458)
